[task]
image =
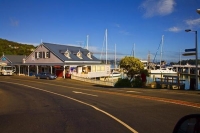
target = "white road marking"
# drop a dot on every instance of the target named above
(85, 93)
(133, 91)
(96, 108)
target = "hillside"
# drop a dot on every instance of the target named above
(14, 48)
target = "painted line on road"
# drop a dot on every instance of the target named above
(133, 92)
(166, 100)
(164, 90)
(85, 93)
(79, 101)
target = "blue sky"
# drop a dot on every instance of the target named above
(131, 24)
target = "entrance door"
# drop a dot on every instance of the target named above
(59, 73)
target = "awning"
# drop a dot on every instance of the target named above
(57, 66)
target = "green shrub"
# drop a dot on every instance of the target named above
(136, 83)
(123, 83)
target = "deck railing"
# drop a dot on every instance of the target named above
(171, 81)
(94, 81)
(91, 74)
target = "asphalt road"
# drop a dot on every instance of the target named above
(32, 105)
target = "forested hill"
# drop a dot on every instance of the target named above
(13, 48)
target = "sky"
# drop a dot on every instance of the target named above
(134, 27)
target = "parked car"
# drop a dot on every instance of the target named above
(45, 75)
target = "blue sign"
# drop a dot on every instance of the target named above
(189, 50)
(189, 54)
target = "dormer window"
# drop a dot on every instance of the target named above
(47, 54)
(89, 55)
(79, 55)
(67, 54)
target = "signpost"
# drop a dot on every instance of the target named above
(196, 54)
(189, 50)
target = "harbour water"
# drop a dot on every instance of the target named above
(184, 77)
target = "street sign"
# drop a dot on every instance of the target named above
(189, 50)
(188, 54)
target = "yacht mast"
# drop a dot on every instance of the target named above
(161, 51)
(180, 57)
(87, 42)
(134, 50)
(106, 46)
(115, 56)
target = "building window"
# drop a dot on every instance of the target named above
(37, 55)
(67, 54)
(89, 69)
(100, 68)
(40, 54)
(47, 54)
(79, 55)
(93, 68)
(89, 55)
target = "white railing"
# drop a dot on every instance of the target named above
(91, 74)
(94, 81)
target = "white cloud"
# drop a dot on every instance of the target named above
(117, 25)
(158, 7)
(14, 22)
(94, 49)
(193, 22)
(124, 32)
(174, 29)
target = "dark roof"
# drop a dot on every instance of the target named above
(14, 58)
(59, 49)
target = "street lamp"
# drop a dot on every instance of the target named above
(196, 48)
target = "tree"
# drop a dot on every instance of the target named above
(132, 65)
(14, 48)
(172, 63)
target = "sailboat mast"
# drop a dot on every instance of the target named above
(115, 56)
(87, 42)
(134, 50)
(180, 57)
(161, 51)
(106, 46)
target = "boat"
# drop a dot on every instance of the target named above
(165, 70)
(145, 63)
(115, 74)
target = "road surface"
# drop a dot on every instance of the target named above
(68, 106)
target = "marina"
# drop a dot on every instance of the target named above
(167, 70)
(186, 79)
(170, 82)
(186, 69)
(161, 69)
